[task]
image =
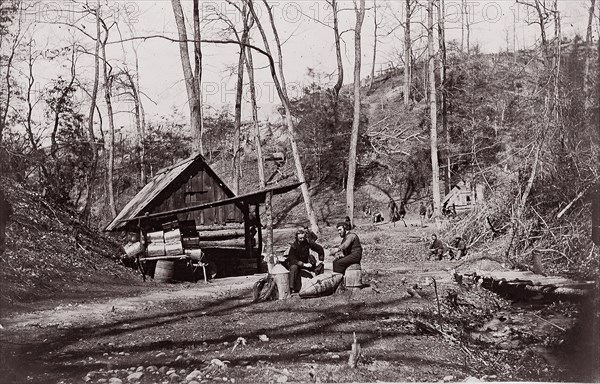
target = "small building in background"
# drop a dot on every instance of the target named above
(463, 196)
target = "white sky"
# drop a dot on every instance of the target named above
(308, 44)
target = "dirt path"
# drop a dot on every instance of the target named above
(97, 312)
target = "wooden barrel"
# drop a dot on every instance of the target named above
(164, 271)
(353, 276)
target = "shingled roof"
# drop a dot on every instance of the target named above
(149, 195)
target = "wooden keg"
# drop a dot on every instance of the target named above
(164, 271)
(353, 276)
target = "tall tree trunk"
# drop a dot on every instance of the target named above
(435, 168)
(198, 70)
(235, 169)
(340, 71)
(191, 83)
(5, 101)
(407, 53)
(139, 124)
(463, 10)
(467, 26)
(588, 53)
(352, 156)
(282, 92)
(91, 176)
(110, 164)
(443, 92)
(375, 26)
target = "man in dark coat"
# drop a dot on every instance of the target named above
(350, 248)
(436, 248)
(299, 258)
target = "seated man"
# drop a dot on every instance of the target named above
(460, 247)
(350, 247)
(436, 248)
(299, 258)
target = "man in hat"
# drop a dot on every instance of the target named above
(350, 248)
(460, 247)
(299, 258)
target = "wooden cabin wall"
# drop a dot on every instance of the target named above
(201, 188)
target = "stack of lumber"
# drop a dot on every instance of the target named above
(172, 238)
(156, 243)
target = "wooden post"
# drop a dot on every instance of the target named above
(260, 239)
(247, 239)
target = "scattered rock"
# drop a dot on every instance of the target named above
(140, 369)
(152, 368)
(160, 354)
(170, 372)
(194, 374)
(218, 363)
(263, 338)
(115, 380)
(282, 379)
(174, 377)
(135, 376)
(179, 357)
(193, 382)
(448, 378)
(163, 369)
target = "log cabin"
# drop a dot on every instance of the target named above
(187, 216)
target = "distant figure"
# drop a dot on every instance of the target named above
(402, 213)
(393, 211)
(5, 214)
(350, 248)
(454, 209)
(377, 217)
(436, 248)
(460, 247)
(299, 258)
(422, 213)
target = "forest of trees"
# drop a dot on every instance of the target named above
(522, 122)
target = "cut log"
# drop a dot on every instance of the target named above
(237, 243)
(205, 228)
(221, 234)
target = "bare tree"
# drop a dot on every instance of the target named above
(408, 9)
(443, 91)
(110, 161)
(375, 27)
(352, 156)
(588, 48)
(90, 132)
(191, 78)
(283, 96)
(5, 98)
(435, 168)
